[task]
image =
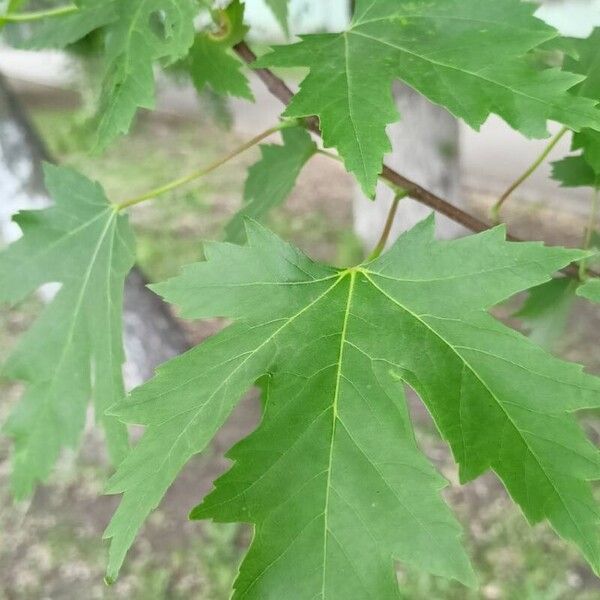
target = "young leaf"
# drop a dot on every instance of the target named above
(547, 309)
(332, 478)
(145, 31)
(71, 28)
(280, 10)
(590, 290)
(210, 61)
(466, 55)
(74, 351)
(271, 180)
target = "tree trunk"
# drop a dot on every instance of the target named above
(425, 149)
(151, 334)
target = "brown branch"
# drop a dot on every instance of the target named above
(280, 90)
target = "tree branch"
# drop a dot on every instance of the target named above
(280, 90)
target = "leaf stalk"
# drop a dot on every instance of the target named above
(387, 229)
(197, 174)
(495, 210)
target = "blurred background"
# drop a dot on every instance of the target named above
(51, 546)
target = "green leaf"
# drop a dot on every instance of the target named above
(574, 171)
(590, 290)
(281, 11)
(546, 310)
(73, 352)
(584, 169)
(68, 29)
(146, 31)
(584, 61)
(211, 62)
(466, 55)
(271, 180)
(589, 142)
(332, 479)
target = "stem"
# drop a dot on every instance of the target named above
(388, 227)
(159, 191)
(589, 232)
(495, 211)
(37, 15)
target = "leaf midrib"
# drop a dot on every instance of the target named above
(334, 420)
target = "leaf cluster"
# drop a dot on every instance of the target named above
(333, 479)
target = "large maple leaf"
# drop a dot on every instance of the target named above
(333, 479)
(73, 352)
(466, 55)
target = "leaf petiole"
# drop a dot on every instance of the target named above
(495, 210)
(159, 191)
(387, 229)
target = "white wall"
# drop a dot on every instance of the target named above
(575, 18)
(306, 16)
(572, 17)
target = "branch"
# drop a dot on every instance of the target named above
(280, 90)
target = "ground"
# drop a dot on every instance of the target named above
(51, 547)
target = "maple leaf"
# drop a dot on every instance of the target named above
(466, 55)
(211, 62)
(146, 31)
(584, 168)
(73, 352)
(575, 171)
(546, 310)
(271, 180)
(332, 479)
(590, 290)
(72, 27)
